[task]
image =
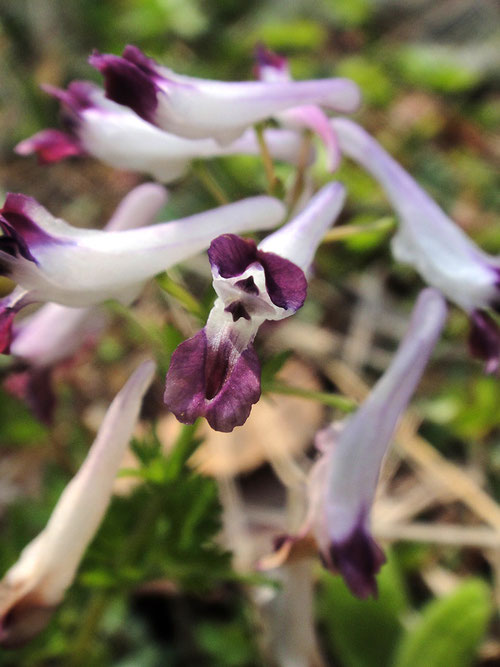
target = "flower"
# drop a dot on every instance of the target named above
(117, 136)
(53, 261)
(216, 373)
(198, 108)
(343, 481)
(427, 239)
(54, 333)
(37, 582)
(273, 67)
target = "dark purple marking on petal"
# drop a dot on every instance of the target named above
(34, 387)
(286, 282)
(358, 558)
(20, 229)
(484, 340)
(6, 321)
(12, 242)
(203, 381)
(127, 83)
(50, 146)
(237, 310)
(231, 254)
(77, 97)
(248, 285)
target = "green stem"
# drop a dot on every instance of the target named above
(298, 184)
(125, 313)
(266, 159)
(87, 628)
(333, 400)
(190, 303)
(208, 180)
(385, 224)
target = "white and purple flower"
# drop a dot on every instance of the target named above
(53, 261)
(200, 108)
(54, 333)
(216, 373)
(343, 481)
(428, 240)
(37, 582)
(120, 138)
(272, 67)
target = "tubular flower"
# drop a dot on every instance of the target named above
(272, 67)
(216, 373)
(54, 333)
(37, 582)
(120, 138)
(53, 261)
(428, 240)
(199, 108)
(343, 481)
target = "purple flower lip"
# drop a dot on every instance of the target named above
(210, 382)
(216, 374)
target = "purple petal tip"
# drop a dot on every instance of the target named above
(49, 146)
(358, 558)
(128, 81)
(484, 340)
(6, 321)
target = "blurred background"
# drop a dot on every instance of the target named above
(429, 73)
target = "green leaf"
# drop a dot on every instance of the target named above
(449, 630)
(435, 68)
(363, 633)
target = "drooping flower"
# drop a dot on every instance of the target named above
(37, 582)
(120, 138)
(428, 240)
(54, 333)
(273, 67)
(216, 373)
(199, 108)
(343, 481)
(53, 261)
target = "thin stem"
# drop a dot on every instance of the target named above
(170, 286)
(266, 159)
(385, 224)
(298, 184)
(208, 180)
(87, 628)
(333, 400)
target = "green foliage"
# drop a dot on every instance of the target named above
(370, 76)
(435, 68)
(17, 425)
(449, 630)
(363, 633)
(173, 535)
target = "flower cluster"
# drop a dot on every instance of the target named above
(149, 119)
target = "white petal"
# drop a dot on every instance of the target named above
(47, 566)
(440, 251)
(298, 240)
